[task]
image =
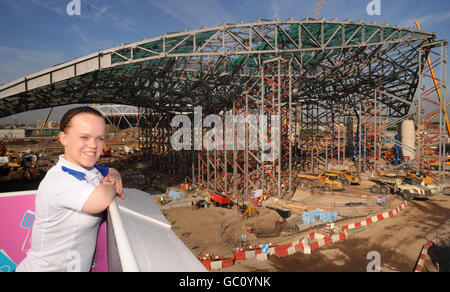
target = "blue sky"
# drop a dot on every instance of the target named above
(37, 34)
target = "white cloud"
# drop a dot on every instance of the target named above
(275, 8)
(89, 45)
(427, 21)
(435, 18)
(29, 6)
(52, 6)
(100, 13)
(125, 26)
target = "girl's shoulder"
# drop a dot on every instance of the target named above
(56, 176)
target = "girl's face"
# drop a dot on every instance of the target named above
(83, 139)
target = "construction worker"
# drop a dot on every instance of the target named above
(331, 228)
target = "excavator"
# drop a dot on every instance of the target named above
(246, 210)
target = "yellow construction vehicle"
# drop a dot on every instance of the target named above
(347, 177)
(435, 164)
(420, 175)
(11, 154)
(387, 174)
(14, 165)
(246, 210)
(250, 211)
(406, 187)
(327, 181)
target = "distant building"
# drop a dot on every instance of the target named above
(14, 133)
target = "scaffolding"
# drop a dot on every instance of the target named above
(432, 107)
(328, 91)
(122, 116)
(428, 112)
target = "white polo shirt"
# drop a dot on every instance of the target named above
(63, 238)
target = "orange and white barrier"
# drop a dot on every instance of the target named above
(313, 241)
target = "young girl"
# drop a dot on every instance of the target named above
(72, 197)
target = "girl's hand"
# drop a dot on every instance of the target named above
(115, 179)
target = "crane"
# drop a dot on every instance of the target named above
(44, 122)
(436, 86)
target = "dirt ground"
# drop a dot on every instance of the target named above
(217, 230)
(398, 240)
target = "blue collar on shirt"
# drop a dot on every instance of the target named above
(81, 176)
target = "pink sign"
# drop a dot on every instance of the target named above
(16, 222)
(100, 262)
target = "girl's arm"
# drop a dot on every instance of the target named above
(104, 194)
(100, 199)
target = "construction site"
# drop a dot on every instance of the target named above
(341, 149)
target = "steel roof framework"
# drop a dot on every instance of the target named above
(211, 66)
(334, 66)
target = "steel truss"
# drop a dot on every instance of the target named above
(120, 115)
(427, 111)
(245, 164)
(432, 106)
(318, 76)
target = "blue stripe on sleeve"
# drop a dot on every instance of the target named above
(81, 176)
(103, 170)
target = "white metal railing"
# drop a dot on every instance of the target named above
(126, 255)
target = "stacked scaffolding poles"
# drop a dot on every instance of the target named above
(372, 129)
(290, 130)
(359, 139)
(444, 103)
(309, 141)
(337, 137)
(155, 133)
(382, 126)
(365, 146)
(375, 140)
(432, 96)
(266, 107)
(379, 131)
(240, 154)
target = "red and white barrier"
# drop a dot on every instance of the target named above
(423, 254)
(376, 218)
(313, 241)
(216, 262)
